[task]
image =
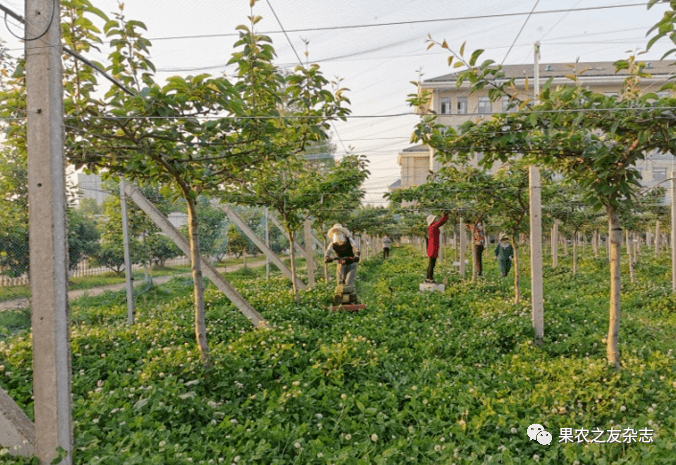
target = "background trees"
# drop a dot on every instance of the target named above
(191, 134)
(592, 139)
(297, 190)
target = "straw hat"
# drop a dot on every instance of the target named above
(430, 219)
(338, 228)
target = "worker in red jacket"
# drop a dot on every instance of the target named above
(433, 225)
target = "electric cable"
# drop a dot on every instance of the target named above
(520, 30)
(301, 63)
(9, 12)
(423, 21)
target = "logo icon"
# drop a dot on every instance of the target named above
(536, 432)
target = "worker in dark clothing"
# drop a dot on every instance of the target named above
(344, 250)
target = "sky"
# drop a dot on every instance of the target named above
(376, 48)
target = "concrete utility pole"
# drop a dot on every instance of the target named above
(535, 189)
(536, 75)
(48, 238)
(536, 252)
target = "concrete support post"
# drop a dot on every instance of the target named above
(209, 271)
(248, 232)
(463, 247)
(536, 252)
(267, 244)
(127, 256)
(17, 432)
(555, 244)
(48, 236)
(310, 261)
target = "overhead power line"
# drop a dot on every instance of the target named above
(420, 21)
(73, 54)
(397, 23)
(301, 63)
(520, 31)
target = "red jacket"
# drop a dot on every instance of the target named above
(433, 237)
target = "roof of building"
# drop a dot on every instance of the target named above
(554, 70)
(417, 148)
(395, 185)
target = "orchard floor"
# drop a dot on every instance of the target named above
(16, 304)
(416, 378)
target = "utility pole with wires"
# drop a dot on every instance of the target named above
(48, 238)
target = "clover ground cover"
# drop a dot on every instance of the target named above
(415, 378)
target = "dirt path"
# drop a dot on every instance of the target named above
(18, 304)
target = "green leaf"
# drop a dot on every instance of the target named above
(475, 56)
(360, 406)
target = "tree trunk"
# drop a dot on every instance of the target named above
(657, 237)
(517, 276)
(584, 243)
(615, 241)
(630, 257)
(595, 244)
(198, 283)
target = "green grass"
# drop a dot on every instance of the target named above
(105, 279)
(415, 378)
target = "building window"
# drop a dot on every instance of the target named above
(446, 106)
(659, 174)
(462, 105)
(485, 105)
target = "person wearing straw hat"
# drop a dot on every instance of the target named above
(433, 225)
(344, 250)
(504, 254)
